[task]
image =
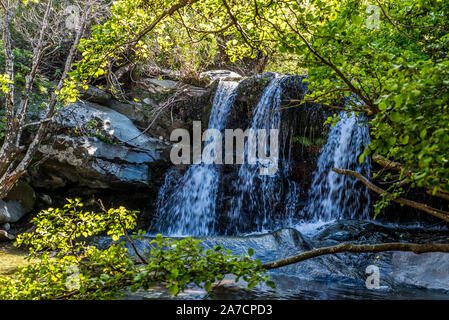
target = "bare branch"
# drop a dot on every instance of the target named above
(388, 164)
(29, 79)
(444, 215)
(36, 123)
(158, 19)
(8, 150)
(142, 259)
(359, 248)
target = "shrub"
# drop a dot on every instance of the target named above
(64, 266)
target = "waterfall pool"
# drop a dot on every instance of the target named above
(402, 275)
(340, 276)
(10, 258)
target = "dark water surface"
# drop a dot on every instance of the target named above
(340, 276)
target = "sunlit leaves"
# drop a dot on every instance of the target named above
(5, 82)
(65, 266)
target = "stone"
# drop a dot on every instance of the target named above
(94, 94)
(93, 163)
(23, 193)
(220, 75)
(46, 199)
(165, 84)
(428, 270)
(5, 236)
(131, 111)
(5, 216)
(150, 102)
(113, 123)
(6, 227)
(112, 151)
(10, 211)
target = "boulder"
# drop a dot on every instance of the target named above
(5, 236)
(109, 125)
(165, 84)
(45, 198)
(94, 94)
(428, 270)
(24, 194)
(10, 211)
(97, 147)
(131, 111)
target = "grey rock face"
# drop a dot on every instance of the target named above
(428, 270)
(131, 111)
(98, 147)
(10, 211)
(220, 75)
(20, 201)
(114, 124)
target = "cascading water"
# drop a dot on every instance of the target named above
(332, 195)
(187, 206)
(263, 202)
(190, 204)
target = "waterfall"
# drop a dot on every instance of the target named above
(263, 202)
(201, 202)
(332, 195)
(187, 205)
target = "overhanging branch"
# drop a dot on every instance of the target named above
(359, 248)
(388, 164)
(444, 215)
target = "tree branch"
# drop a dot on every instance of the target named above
(38, 53)
(444, 215)
(142, 259)
(388, 164)
(327, 63)
(359, 248)
(166, 13)
(7, 150)
(237, 25)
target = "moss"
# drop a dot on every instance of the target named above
(252, 88)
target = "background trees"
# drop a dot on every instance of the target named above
(32, 32)
(387, 59)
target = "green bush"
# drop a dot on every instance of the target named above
(64, 266)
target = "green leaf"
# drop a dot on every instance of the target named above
(423, 133)
(174, 289)
(271, 284)
(362, 158)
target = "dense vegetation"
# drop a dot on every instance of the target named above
(387, 59)
(65, 266)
